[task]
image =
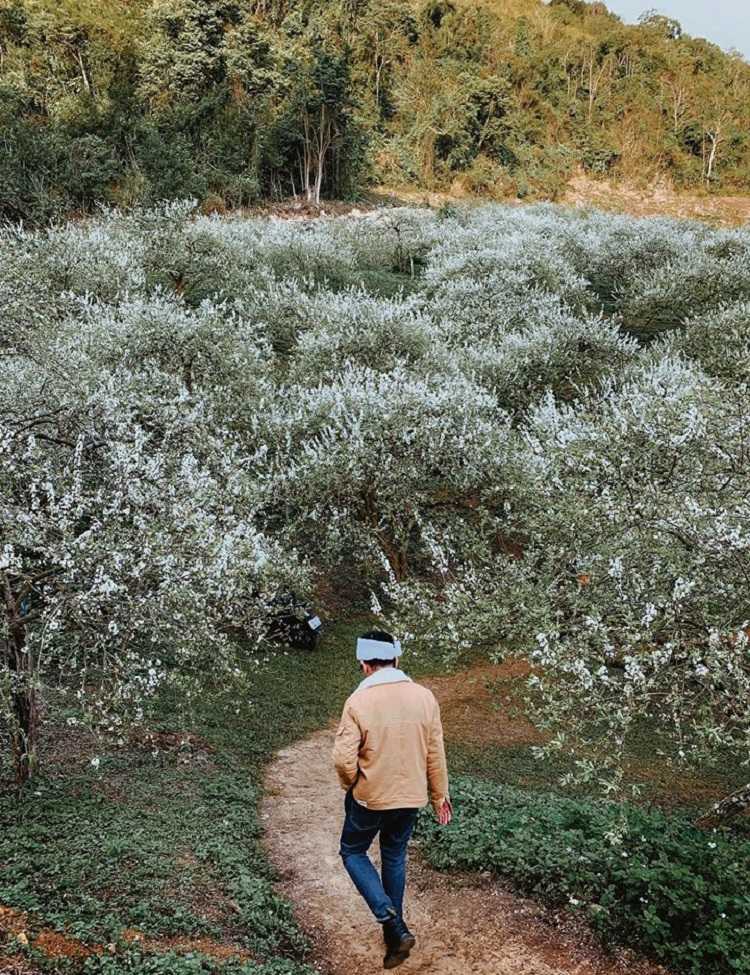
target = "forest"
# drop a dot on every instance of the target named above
(235, 101)
(304, 352)
(515, 436)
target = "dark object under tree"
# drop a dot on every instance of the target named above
(293, 623)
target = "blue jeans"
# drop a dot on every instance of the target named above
(360, 828)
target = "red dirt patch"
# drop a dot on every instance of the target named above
(55, 945)
(16, 924)
(205, 946)
(12, 922)
(483, 706)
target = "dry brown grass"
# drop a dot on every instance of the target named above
(483, 706)
(658, 200)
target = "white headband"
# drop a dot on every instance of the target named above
(377, 649)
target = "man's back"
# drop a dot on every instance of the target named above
(389, 744)
(388, 754)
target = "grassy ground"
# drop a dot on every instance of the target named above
(508, 756)
(151, 862)
(659, 784)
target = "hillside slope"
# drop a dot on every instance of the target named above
(231, 101)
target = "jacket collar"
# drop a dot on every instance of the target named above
(385, 675)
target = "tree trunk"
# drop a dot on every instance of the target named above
(715, 137)
(732, 805)
(306, 158)
(397, 555)
(24, 703)
(84, 74)
(322, 149)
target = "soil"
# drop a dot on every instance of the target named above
(53, 944)
(184, 945)
(482, 705)
(463, 923)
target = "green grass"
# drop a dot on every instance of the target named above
(516, 766)
(652, 764)
(658, 783)
(170, 844)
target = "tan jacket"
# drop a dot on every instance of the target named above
(389, 744)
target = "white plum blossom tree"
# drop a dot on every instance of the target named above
(125, 557)
(624, 575)
(523, 427)
(130, 545)
(369, 460)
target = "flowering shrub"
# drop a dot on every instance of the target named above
(123, 544)
(718, 341)
(561, 354)
(352, 329)
(633, 494)
(599, 569)
(451, 406)
(665, 297)
(369, 459)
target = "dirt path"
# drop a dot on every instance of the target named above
(463, 923)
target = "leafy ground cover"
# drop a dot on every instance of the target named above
(643, 878)
(150, 860)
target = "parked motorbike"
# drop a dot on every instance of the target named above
(293, 623)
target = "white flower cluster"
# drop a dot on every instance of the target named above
(528, 424)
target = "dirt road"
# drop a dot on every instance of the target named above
(463, 923)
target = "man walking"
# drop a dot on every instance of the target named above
(389, 755)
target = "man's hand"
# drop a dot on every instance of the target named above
(445, 813)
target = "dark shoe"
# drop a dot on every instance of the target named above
(399, 941)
